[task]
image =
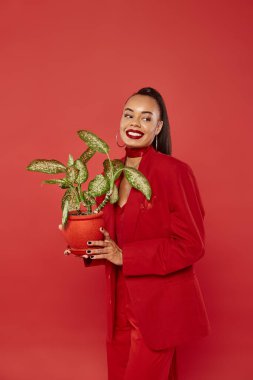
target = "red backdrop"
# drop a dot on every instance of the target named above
(69, 65)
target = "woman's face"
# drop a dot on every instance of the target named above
(140, 121)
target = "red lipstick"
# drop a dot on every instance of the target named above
(134, 134)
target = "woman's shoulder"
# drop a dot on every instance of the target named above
(166, 163)
(171, 163)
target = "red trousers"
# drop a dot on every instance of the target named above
(128, 357)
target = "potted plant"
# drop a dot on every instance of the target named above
(81, 215)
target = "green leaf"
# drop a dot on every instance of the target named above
(88, 198)
(138, 181)
(79, 164)
(117, 164)
(54, 181)
(70, 160)
(115, 194)
(87, 154)
(70, 195)
(65, 184)
(83, 172)
(110, 170)
(65, 212)
(93, 141)
(82, 176)
(46, 166)
(99, 185)
(72, 173)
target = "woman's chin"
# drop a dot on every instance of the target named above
(134, 143)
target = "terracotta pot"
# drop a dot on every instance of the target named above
(81, 228)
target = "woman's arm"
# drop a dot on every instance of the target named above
(185, 244)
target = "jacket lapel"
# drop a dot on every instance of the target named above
(136, 198)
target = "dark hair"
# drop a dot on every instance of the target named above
(163, 138)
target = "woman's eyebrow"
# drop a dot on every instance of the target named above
(129, 109)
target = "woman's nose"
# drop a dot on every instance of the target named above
(135, 123)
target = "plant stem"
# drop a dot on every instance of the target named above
(102, 204)
(89, 209)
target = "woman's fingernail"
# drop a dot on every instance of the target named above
(101, 229)
(88, 242)
(85, 256)
(92, 257)
(88, 250)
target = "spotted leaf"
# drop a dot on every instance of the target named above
(70, 160)
(93, 141)
(46, 166)
(138, 181)
(88, 198)
(83, 172)
(110, 168)
(99, 185)
(70, 195)
(87, 155)
(65, 212)
(115, 194)
(72, 173)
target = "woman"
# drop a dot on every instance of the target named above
(154, 302)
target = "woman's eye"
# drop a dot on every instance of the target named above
(145, 118)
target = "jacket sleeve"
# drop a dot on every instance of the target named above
(185, 243)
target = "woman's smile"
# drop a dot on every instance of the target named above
(134, 134)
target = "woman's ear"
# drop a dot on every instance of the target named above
(159, 127)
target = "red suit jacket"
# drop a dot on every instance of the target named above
(164, 237)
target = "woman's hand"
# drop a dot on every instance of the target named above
(110, 250)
